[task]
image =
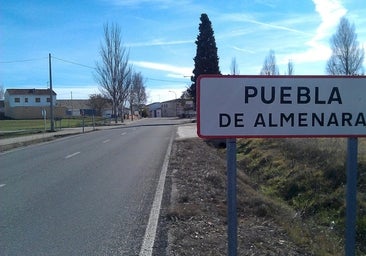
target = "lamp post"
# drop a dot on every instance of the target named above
(176, 106)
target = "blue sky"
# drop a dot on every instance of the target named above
(160, 36)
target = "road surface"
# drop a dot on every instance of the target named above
(82, 195)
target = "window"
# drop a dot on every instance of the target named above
(26, 100)
(48, 99)
(38, 100)
(17, 100)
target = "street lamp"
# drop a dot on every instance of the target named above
(176, 106)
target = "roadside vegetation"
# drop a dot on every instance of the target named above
(309, 176)
(290, 195)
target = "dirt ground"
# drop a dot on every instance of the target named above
(193, 217)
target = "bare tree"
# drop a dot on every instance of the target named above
(98, 102)
(137, 96)
(113, 72)
(123, 97)
(347, 56)
(290, 68)
(234, 67)
(270, 67)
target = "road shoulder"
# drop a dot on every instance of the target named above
(193, 215)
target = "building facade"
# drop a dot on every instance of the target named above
(154, 109)
(172, 108)
(30, 103)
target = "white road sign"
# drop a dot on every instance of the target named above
(281, 106)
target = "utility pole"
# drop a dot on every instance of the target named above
(51, 95)
(72, 106)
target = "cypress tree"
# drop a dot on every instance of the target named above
(206, 60)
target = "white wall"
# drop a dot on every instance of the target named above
(31, 100)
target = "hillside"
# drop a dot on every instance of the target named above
(290, 198)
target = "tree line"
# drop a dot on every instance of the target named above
(346, 59)
(120, 84)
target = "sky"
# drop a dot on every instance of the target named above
(160, 38)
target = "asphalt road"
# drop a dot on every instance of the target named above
(82, 195)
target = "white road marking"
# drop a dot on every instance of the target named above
(72, 155)
(150, 232)
(2, 185)
(124, 133)
(106, 141)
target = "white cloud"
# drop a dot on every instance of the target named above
(159, 42)
(330, 12)
(176, 70)
(64, 92)
(277, 27)
(239, 17)
(242, 49)
(160, 95)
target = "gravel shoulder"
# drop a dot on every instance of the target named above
(193, 215)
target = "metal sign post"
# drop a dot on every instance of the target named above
(351, 196)
(44, 115)
(231, 197)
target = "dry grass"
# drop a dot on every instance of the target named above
(290, 198)
(308, 175)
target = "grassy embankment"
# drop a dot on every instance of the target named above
(309, 175)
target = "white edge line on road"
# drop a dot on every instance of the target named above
(2, 185)
(72, 155)
(124, 133)
(150, 233)
(108, 140)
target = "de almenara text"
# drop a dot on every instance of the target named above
(270, 96)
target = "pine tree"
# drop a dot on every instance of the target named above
(206, 60)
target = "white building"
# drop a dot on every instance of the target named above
(29, 103)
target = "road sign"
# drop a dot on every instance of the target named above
(281, 106)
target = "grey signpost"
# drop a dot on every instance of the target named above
(351, 196)
(231, 197)
(233, 107)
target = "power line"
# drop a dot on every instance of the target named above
(73, 62)
(53, 57)
(81, 65)
(26, 60)
(86, 66)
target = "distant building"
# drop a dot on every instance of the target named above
(172, 108)
(154, 109)
(30, 103)
(76, 107)
(169, 108)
